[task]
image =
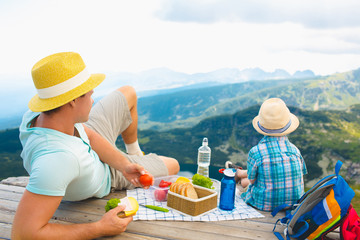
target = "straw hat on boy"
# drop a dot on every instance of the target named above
(275, 119)
(59, 79)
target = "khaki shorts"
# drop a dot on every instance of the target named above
(109, 117)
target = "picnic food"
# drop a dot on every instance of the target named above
(185, 189)
(164, 183)
(197, 200)
(202, 181)
(182, 180)
(146, 180)
(159, 190)
(160, 194)
(156, 208)
(112, 203)
(131, 206)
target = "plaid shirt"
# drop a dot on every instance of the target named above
(277, 167)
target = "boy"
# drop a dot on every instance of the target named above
(275, 167)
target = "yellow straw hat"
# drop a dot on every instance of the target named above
(275, 119)
(59, 79)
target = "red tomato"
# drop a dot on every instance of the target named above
(164, 184)
(146, 180)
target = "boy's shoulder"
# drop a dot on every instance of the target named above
(271, 142)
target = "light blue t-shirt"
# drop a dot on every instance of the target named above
(60, 164)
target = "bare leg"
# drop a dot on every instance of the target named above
(172, 165)
(130, 134)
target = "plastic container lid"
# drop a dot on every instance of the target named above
(229, 172)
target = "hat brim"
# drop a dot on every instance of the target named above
(37, 104)
(294, 125)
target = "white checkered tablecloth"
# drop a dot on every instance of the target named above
(241, 211)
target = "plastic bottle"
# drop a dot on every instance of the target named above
(227, 192)
(203, 160)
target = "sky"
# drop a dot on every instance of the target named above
(188, 36)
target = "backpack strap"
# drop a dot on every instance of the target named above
(279, 208)
(283, 221)
(302, 230)
(277, 234)
(338, 167)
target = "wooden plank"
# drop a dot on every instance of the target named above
(8, 205)
(80, 213)
(131, 236)
(91, 210)
(164, 229)
(5, 230)
(16, 181)
(196, 230)
(10, 188)
(6, 219)
(9, 195)
(251, 225)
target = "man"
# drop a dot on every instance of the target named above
(69, 150)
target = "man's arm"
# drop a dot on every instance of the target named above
(113, 157)
(34, 212)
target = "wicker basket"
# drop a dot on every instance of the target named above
(206, 202)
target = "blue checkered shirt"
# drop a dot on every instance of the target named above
(277, 167)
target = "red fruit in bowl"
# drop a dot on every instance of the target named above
(160, 195)
(164, 184)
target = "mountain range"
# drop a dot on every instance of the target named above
(188, 107)
(147, 83)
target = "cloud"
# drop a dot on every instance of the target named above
(324, 41)
(309, 13)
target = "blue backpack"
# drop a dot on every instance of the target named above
(319, 211)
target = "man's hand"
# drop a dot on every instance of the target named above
(113, 157)
(110, 224)
(133, 171)
(34, 211)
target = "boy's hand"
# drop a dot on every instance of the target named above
(110, 224)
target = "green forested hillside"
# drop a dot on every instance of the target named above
(10, 162)
(323, 137)
(185, 109)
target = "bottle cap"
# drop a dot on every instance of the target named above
(229, 172)
(205, 142)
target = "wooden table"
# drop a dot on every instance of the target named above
(92, 210)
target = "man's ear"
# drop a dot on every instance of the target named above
(72, 103)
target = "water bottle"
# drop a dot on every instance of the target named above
(227, 192)
(203, 160)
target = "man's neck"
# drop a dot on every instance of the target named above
(56, 121)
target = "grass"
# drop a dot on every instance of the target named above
(356, 200)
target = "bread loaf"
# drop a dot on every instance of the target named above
(184, 189)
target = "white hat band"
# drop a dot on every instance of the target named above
(65, 86)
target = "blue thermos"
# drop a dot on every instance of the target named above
(228, 186)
